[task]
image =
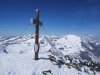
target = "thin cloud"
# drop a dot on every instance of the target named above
(5, 26)
(94, 26)
(91, 35)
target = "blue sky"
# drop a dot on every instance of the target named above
(59, 17)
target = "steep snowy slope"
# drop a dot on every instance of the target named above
(92, 50)
(69, 44)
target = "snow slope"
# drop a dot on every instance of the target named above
(23, 64)
(17, 58)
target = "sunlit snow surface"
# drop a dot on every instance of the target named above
(17, 58)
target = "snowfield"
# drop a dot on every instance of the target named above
(17, 58)
(25, 65)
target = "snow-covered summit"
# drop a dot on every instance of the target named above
(69, 44)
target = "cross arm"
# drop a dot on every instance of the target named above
(33, 21)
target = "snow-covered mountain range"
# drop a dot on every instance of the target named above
(80, 54)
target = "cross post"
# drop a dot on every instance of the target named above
(37, 23)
